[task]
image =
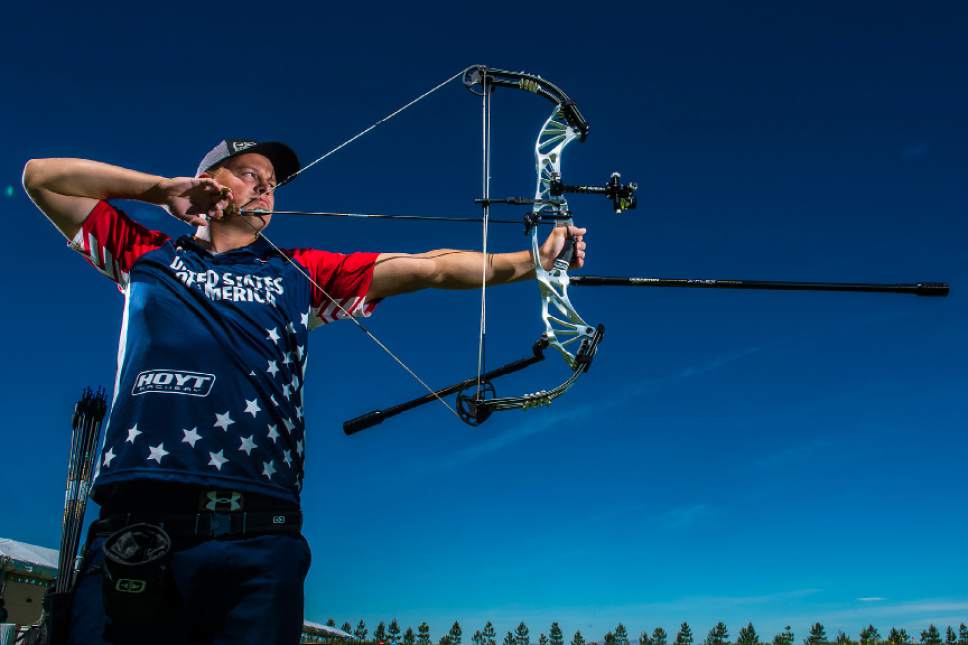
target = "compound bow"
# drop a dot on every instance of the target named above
(564, 328)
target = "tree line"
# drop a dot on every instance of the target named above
(718, 635)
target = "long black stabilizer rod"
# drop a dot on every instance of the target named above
(375, 417)
(917, 289)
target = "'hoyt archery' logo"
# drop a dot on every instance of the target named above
(173, 382)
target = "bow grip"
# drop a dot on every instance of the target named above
(563, 261)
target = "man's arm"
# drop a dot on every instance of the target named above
(67, 189)
(397, 273)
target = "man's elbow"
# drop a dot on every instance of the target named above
(33, 177)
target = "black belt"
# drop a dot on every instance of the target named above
(206, 524)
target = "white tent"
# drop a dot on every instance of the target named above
(326, 629)
(28, 558)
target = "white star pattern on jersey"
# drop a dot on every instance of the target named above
(287, 457)
(268, 469)
(247, 445)
(191, 436)
(290, 426)
(252, 407)
(273, 433)
(299, 447)
(223, 420)
(304, 320)
(273, 369)
(273, 335)
(108, 456)
(287, 358)
(290, 328)
(157, 453)
(217, 460)
(132, 433)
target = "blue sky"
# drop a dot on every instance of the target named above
(774, 457)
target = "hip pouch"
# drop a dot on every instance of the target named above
(136, 579)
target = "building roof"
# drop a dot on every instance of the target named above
(331, 631)
(28, 554)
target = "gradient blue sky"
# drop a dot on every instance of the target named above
(780, 458)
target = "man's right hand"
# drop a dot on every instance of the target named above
(194, 200)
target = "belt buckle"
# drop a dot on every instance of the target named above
(221, 524)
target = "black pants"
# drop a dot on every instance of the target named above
(231, 590)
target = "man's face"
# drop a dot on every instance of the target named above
(252, 180)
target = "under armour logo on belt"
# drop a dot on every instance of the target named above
(223, 500)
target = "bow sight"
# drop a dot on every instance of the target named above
(622, 195)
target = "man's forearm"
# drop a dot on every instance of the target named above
(462, 269)
(93, 179)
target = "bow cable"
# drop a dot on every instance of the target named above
(291, 261)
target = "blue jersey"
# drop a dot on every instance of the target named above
(212, 354)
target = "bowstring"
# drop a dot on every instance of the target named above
(302, 272)
(486, 188)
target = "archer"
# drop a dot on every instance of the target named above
(201, 469)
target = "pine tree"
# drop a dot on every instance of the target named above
(869, 635)
(784, 638)
(621, 635)
(931, 636)
(489, 634)
(409, 638)
(361, 631)
(644, 638)
(380, 633)
(747, 636)
(962, 634)
(331, 623)
(950, 638)
(718, 635)
(393, 632)
(423, 634)
(894, 637)
(842, 639)
(684, 635)
(542, 639)
(659, 637)
(578, 639)
(555, 637)
(521, 635)
(608, 639)
(455, 633)
(818, 635)
(477, 638)
(346, 627)
(509, 639)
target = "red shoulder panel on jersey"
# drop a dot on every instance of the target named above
(345, 277)
(112, 242)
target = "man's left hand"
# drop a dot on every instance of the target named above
(556, 242)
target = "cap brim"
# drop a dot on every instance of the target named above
(283, 158)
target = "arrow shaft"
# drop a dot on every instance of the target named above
(918, 288)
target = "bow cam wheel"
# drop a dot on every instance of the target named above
(471, 404)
